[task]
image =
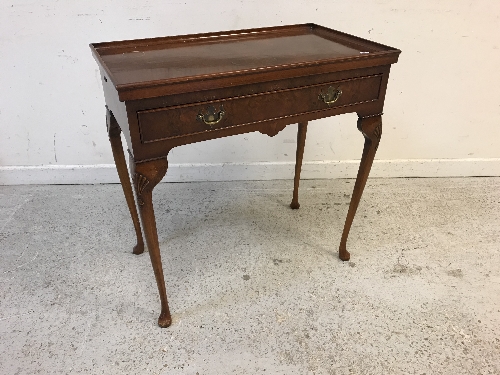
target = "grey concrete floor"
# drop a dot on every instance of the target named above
(254, 287)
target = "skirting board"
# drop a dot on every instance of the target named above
(106, 173)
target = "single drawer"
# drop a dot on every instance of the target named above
(177, 121)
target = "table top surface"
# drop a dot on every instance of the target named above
(181, 58)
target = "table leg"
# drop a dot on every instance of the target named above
(114, 132)
(301, 141)
(371, 127)
(146, 176)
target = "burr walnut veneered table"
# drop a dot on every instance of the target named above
(166, 92)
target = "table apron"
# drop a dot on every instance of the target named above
(315, 100)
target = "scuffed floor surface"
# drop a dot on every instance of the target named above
(254, 287)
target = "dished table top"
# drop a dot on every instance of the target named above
(136, 65)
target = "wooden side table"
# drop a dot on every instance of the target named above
(166, 92)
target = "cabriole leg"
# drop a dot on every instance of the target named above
(301, 141)
(146, 176)
(114, 132)
(371, 128)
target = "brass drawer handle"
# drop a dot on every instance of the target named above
(212, 117)
(331, 95)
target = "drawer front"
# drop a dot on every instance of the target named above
(171, 122)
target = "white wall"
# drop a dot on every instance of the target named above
(442, 114)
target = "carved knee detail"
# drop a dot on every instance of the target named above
(371, 128)
(140, 183)
(146, 176)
